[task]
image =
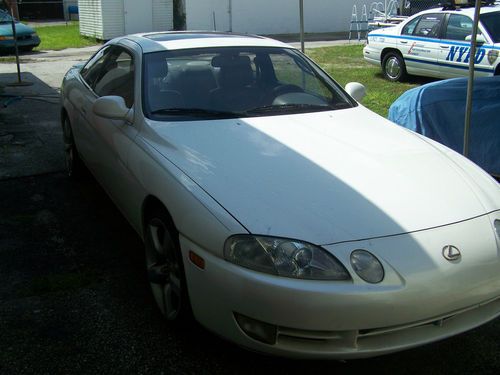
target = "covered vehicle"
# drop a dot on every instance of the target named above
(286, 216)
(437, 110)
(27, 38)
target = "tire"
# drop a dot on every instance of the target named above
(74, 165)
(26, 48)
(164, 267)
(393, 67)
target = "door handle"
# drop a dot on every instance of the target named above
(444, 46)
(403, 41)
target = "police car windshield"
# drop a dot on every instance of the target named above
(491, 22)
(222, 82)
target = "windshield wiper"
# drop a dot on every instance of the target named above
(290, 108)
(197, 112)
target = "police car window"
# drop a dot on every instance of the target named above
(491, 22)
(410, 27)
(459, 27)
(429, 25)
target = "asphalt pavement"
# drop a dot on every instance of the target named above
(73, 292)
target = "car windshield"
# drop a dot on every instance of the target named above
(5, 16)
(491, 22)
(229, 82)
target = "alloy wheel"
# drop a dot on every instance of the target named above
(164, 268)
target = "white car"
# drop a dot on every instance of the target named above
(436, 43)
(286, 216)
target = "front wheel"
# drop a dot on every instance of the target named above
(164, 267)
(393, 67)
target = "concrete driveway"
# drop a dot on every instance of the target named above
(74, 297)
(30, 134)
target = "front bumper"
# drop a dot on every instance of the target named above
(372, 55)
(23, 41)
(423, 298)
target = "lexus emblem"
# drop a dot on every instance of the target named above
(451, 253)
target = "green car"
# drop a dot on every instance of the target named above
(27, 39)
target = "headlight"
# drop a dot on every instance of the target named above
(33, 35)
(284, 257)
(367, 266)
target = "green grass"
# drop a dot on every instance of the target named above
(61, 37)
(346, 64)
(7, 59)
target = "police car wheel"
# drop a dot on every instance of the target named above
(394, 67)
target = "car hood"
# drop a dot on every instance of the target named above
(324, 177)
(21, 29)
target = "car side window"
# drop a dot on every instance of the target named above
(459, 27)
(409, 28)
(429, 25)
(90, 72)
(117, 76)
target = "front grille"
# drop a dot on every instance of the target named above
(23, 37)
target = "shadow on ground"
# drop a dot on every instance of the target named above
(74, 299)
(30, 133)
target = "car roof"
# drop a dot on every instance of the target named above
(176, 40)
(468, 11)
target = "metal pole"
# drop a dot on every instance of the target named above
(230, 10)
(16, 48)
(470, 83)
(301, 6)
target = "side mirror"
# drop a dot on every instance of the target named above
(111, 107)
(479, 39)
(356, 90)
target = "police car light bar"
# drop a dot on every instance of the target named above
(454, 4)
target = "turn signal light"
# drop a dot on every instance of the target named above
(197, 260)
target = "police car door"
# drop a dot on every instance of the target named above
(419, 44)
(455, 56)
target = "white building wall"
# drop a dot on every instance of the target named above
(269, 16)
(108, 19)
(90, 13)
(113, 19)
(163, 15)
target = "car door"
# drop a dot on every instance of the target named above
(419, 44)
(110, 140)
(81, 98)
(454, 56)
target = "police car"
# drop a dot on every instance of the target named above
(436, 43)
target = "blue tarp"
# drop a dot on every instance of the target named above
(437, 110)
